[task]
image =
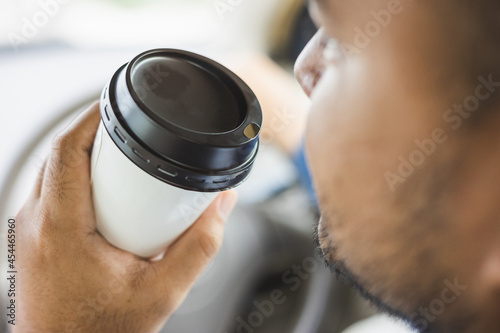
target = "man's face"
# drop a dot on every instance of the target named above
(403, 184)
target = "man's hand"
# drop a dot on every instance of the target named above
(71, 279)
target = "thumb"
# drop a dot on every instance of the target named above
(67, 169)
(187, 258)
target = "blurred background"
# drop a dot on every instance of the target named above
(57, 55)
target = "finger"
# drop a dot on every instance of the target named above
(67, 176)
(185, 260)
(39, 180)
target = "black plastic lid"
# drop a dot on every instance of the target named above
(184, 119)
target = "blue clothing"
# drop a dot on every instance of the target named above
(300, 161)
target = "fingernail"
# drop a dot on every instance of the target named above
(227, 203)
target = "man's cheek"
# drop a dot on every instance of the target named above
(318, 151)
(314, 136)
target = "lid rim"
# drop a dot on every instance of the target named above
(253, 112)
(180, 175)
(163, 152)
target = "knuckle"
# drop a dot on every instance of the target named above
(61, 141)
(65, 151)
(209, 242)
(46, 223)
(54, 183)
(164, 306)
(21, 217)
(138, 276)
(59, 147)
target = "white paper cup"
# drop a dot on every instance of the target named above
(176, 129)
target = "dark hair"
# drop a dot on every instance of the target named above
(473, 32)
(484, 37)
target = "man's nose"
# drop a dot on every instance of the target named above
(310, 64)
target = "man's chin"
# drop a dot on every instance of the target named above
(339, 268)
